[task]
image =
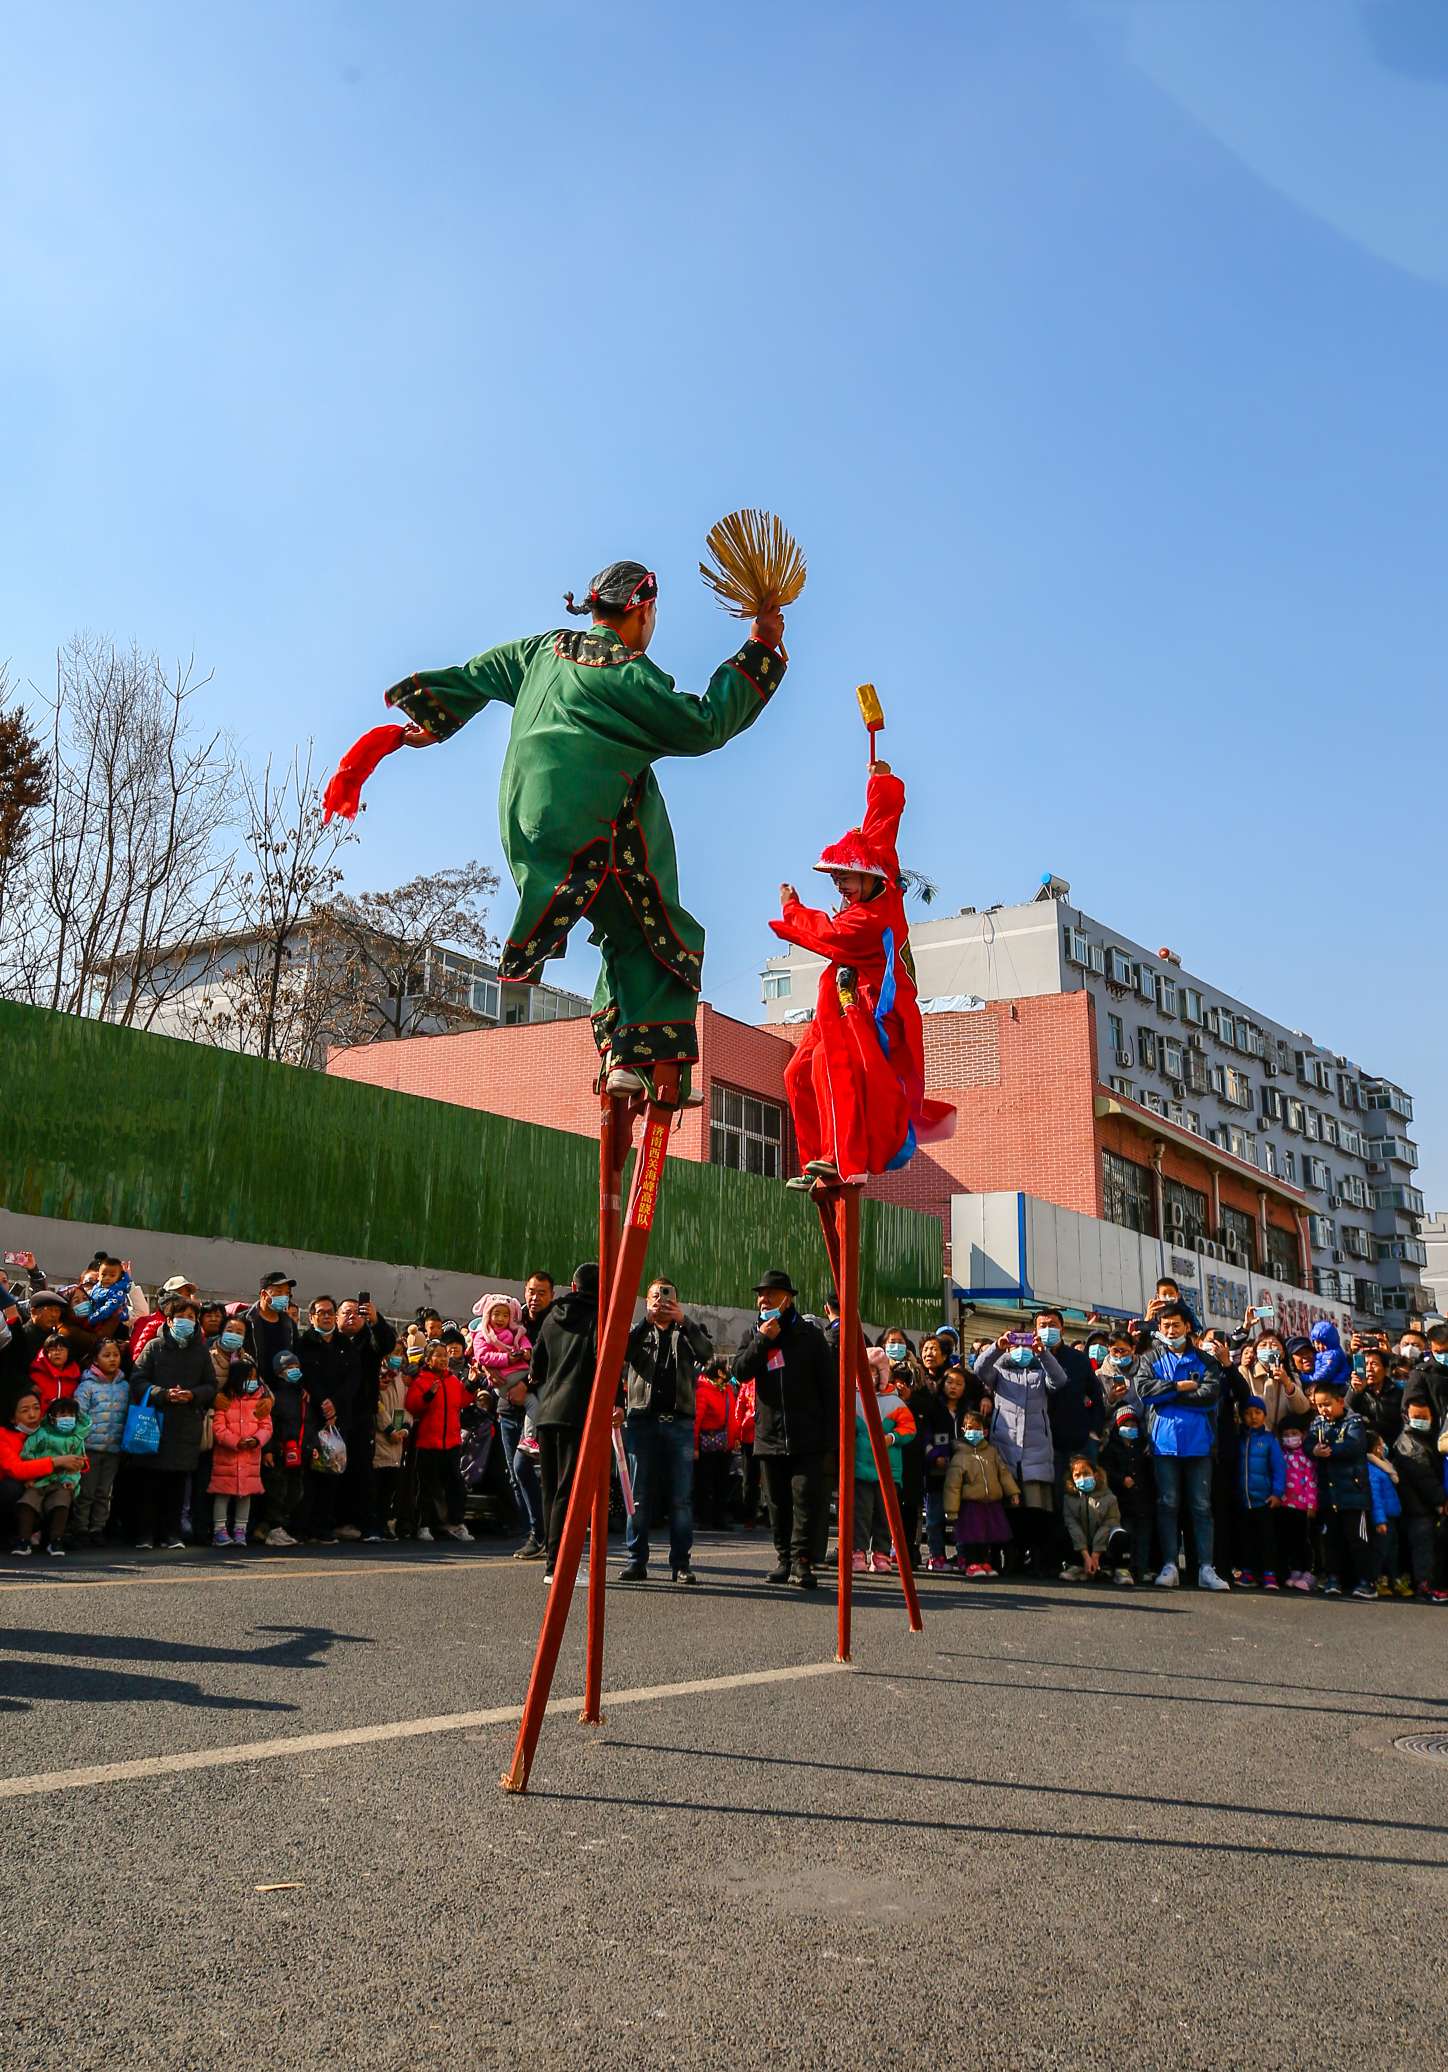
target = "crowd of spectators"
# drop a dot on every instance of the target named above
(1150, 1451)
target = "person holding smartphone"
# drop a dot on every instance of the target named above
(666, 1349)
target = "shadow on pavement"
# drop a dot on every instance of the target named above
(1075, 1690)
(990, 1830)
(304, 1648)
(1264, 1683)
(24, 1684)
(1333, 1819)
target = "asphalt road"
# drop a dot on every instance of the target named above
(1059, 1828)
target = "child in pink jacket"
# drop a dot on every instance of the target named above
(241, 1425)
(501, 1351)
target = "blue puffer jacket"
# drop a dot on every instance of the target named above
(1181, 1424)
(1342, 1480)
(1261, 1470)
(105, 1403)
(1383, 1494)
(1332, 1363)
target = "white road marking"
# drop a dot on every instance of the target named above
(392, 1730)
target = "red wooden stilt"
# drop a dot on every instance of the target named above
(870, 1408)
(616, 1318)
(847, 1237)
(615, 1132)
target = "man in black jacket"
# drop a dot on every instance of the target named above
(795, 1393)
(365, 1339)
(665, 1350)
(1377, 1398)
(565, 1354)
(332, 1378)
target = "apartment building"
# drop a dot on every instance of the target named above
(1178, 1058)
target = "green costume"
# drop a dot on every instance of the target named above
(583, 821)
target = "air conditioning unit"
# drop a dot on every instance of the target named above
(1123, 1058)
(1195, 1041)
(1176, 1216)
(1209, 1250)
(1337, 1259)
(1178, 1089)
(1269, 1066)
(1231, 1243)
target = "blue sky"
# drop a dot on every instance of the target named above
(1094, 352)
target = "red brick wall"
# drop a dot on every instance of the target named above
(544, 1072)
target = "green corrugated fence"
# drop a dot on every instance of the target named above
(113, 1126)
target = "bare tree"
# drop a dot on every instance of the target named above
(24, 782)
(272, 987)
(389, 950)
(126, 873)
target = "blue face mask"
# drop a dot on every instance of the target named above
(974, 1438)
(895, 1352)
(395, 1362)
(1120, 1363)
(1021, 1355)
(1085, 1483)
(250, 1385)
(62, 1424)
(81, 1308)
(291, 1374)
(1174, 1345)
(769, 1316)
(1129, 1431)
(1441, 1358)
(1050, 1335)
(183, 1328)
(281, 1300)
(232, 1340)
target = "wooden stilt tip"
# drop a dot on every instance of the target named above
(511, 1781)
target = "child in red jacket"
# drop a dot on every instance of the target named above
(437, 1399)
(856, 1084)
(716, 1441)
(53, 1372)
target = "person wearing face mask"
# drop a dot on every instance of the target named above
(1021, 1378)
(104, 1396)
(152, 1322)
(1296, 1520)
(175, 1376)
(333, 1382)
(1424, 1521)
(1126, 1458)
(21, 1473)
(62, 1429)
(1077, 1412)
(284, 1454)
(1093, 1521)
(226, 1344)
(795, 1426)
(391, 1422)
(910, 1384)
(241, 1429)
(1274, 1379)
(978, 1486)
(1181, 1389)
(269, 1326)
(1431, 1372)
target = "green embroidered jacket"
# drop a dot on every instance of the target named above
(578, 797)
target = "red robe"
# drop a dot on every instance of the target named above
(856, 1084)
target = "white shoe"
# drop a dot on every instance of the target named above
(280, 1537)
(1167, 1577)
(458, 1532)
(372, 1538)
(424, 1532)
(1074, 1574)
(1208, 1579)
(348, 1532)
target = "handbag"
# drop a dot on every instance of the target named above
(142, 1432)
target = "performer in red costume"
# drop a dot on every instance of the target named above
(856, 1084)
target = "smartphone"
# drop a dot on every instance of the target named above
(1020, 1337)
(1267, 1314)
(364, 1296)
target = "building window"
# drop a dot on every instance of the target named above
(1115, 1035)
(1171, 1058)
(1146, 1049)
(1166, 993)
(1239, 1234)
(487, 998)
(1283, 1262)
(1122, 972)
(1078, 950)
(1194, 1121)
(1191, 1005)
(1238, 1088)
(1269, 1159)
(1186, 1213)
(778, 985)
(746, 1133)
(1123, 1087)
(1128, 1194)
(1289, 1166)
